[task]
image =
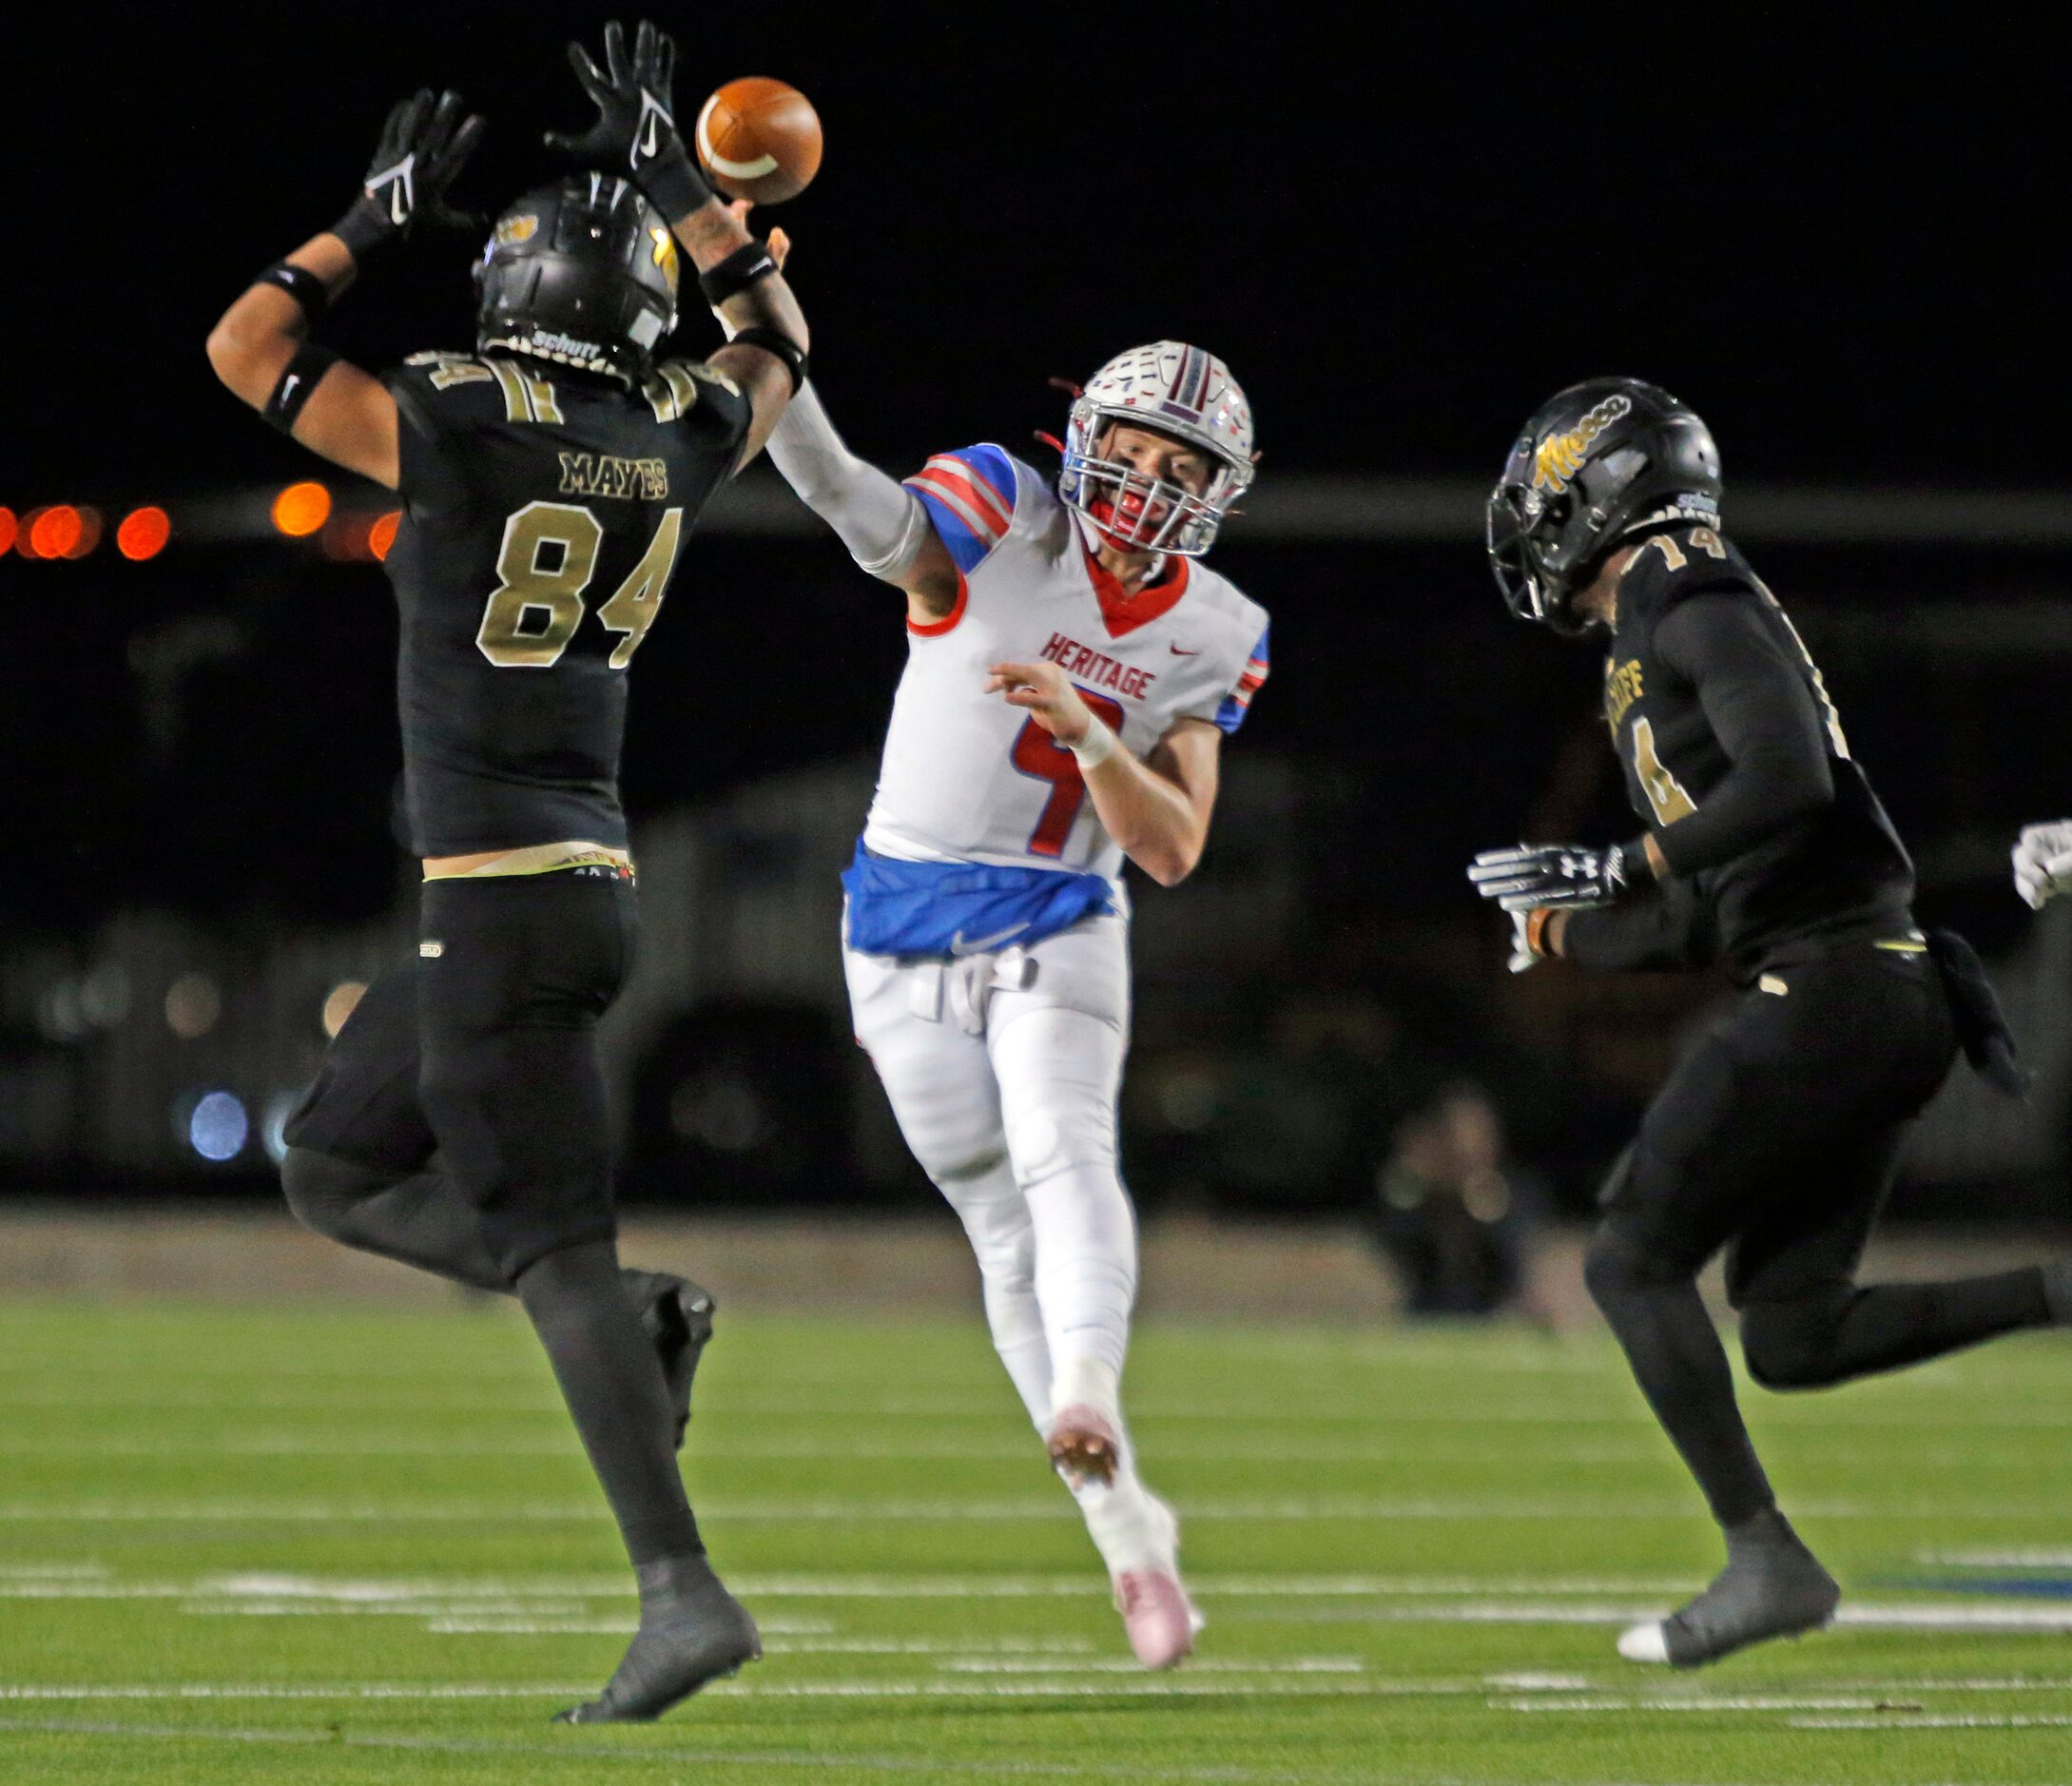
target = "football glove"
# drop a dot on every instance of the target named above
(635, 135)
(423, 146)
(1549, 874)
(2042, 862)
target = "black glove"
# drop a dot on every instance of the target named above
(1550, 874)
(424, 148)
(635, 134)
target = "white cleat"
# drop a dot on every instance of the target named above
(1157, 1616)
(1645, 1643)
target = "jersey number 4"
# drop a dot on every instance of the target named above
(1038, 754)
(547, 560)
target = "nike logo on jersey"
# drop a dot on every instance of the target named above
(1096, 669)
(1178, 652)
(979, 945)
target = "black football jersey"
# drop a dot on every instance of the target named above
(1736, 757)
(543, 515)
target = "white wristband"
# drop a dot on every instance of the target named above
(1099, 744)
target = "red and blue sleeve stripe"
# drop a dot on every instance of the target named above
(1230, 715)
(970, 496)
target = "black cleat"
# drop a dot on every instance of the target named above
(692, 1631)
(677, 1315)
(1772, 1586)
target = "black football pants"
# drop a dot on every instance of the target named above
(1776, 1138)
(459, 1122)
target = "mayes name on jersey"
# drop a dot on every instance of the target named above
(982, 825)
(542, 519)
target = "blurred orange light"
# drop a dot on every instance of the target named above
(144, 534)
(9, 528)
(301, 509)
(55, 531)
(382, 534)
(89, 533)
(25, 538)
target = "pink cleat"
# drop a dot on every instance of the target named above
(1084, 1445)
(1159, 1618)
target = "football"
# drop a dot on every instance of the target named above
(759, 139)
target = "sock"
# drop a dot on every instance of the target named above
(611, 1381)
(1681, 1368)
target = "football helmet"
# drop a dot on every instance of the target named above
(1175, 390)
(1601, 462)
(583, 273)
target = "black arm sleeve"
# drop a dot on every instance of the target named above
(1660, 926)
(1762, 710)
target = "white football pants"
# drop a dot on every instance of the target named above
(1004, 1071)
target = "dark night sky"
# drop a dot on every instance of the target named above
(1836, 247)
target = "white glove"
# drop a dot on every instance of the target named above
(2042, 862)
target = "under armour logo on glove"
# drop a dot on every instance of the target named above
(1529, 875)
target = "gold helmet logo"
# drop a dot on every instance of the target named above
(512, 230)
(666, 256)
(1560, 455)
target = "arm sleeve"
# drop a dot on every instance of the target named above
(882, 522)
(1658, 927)
(1757, 700)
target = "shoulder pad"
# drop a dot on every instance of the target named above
(678, 385)
(482, 388)
(1681, 561)
(970, 496)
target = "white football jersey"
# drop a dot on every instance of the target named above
(968, 778)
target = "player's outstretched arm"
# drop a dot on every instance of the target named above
(1156, 807)
(261, 347)
(635, 136)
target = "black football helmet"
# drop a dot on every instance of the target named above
(1601, 462)
(582, 273)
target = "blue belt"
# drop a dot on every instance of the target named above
(961, 907)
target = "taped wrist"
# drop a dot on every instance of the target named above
(674, 185)
(1099, 744)
(305, 373)
(740, 270)
(774, 342)
(303, 285)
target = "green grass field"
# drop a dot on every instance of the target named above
(331, 1545)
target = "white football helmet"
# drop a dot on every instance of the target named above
(1177, 390)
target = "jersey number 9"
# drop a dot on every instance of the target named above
(547, 560)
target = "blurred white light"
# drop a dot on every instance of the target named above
(58, 1014)
(193, 1006)
(274, 1124)
(218, 1128)
(104, 996)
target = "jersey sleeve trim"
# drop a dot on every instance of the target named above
(935, 629)
(970, 499)
(1230, 715)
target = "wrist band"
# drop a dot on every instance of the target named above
(772, 341)
(366, 229)
(301, 284)
(1099, 744)
(672, 182)
(303, 374)
(738, 271)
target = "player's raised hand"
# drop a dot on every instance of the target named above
(2043, 862)
(1048, 693)
(425, 143)
(635, 135)
(1549, 874)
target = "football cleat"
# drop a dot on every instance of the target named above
(1084, 1445)
(677, 1315)
(1772, 1586)
(692, 1632)
(1157, 1616)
